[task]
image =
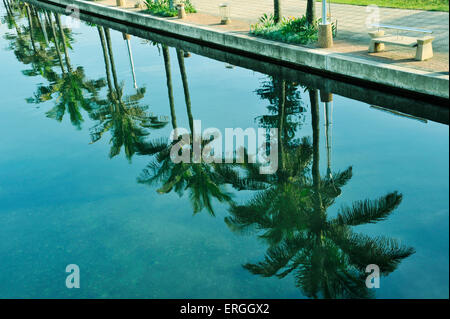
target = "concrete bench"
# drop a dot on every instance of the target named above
(424, 46)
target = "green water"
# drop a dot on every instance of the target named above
(75, 141)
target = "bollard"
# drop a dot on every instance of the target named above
(224, 11)
(120, 3)
(326, 96)
(325, 36)
(181, 11)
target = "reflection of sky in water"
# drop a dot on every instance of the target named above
(64, 201)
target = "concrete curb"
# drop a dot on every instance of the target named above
(324, 61)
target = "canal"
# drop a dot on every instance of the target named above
(86, 112)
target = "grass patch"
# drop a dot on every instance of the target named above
(289, 30)
(162, 7)
(430, 5)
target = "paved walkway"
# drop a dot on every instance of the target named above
(351, 19)
(352, 39)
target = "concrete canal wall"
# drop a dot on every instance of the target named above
(338, 66)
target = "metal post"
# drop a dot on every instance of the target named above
(324, 12)
(43, 26)
(130, 54)
(328, 127)
(325, 36)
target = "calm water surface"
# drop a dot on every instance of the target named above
(79, 135)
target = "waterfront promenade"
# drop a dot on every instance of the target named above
(352, 36)
(349, 57)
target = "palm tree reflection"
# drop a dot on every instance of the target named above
(124, 116)
(326, 257)
(23, 43)
(204, 181)
(70, 89)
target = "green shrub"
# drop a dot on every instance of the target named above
(290, 30)
(162, 8)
